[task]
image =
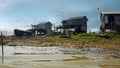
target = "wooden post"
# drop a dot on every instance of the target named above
(2, 44)
(2, 48)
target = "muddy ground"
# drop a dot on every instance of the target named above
(65, 42)
(66, 53)
(103, 45)
(57, 57)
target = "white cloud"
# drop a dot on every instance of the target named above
(7, 23)
(23, 26)
(5, 27)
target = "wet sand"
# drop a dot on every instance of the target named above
(57, 57)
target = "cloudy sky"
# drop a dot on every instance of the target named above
(21, 14)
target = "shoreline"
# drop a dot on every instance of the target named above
(99, 46)
(85, 50)
(66, 42)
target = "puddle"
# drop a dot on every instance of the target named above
(74, 58)
(55, 57)
(4, 66)
(33, 53)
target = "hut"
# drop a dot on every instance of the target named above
(78, 24)
(110, 21)
(21, 33)
(44, 28)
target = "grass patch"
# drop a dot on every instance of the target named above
(47, 37)
(85, 35)
(113, 35)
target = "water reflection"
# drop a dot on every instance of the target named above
(2, 59)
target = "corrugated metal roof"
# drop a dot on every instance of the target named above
(42, 23)
(79, 17)
(110, 12)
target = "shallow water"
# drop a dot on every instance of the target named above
(54, 57)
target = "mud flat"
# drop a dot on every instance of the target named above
(57, 57)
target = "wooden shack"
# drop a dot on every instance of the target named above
(79, 24)
(110, 21)
(43, 25)
(42, 28)
(21, 33)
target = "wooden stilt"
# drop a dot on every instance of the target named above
(2, 44)
(2, 47)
